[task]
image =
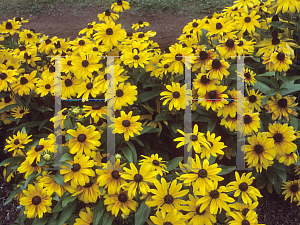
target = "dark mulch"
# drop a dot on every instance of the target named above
(271, 211)
(275, 211)
(9, 212)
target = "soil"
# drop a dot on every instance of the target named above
(64, 21)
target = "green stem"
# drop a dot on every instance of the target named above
(16, 95)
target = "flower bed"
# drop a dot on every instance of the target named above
(149, 136)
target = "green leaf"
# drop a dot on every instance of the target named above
(127, 153)
(101, 190)
(58, 207)
(161, 117)
(142, 214)
(282, 174)
(58, 178)
(277, 185)
(280, 24)
(14, 160)
(29, 179)
(294, 122)
(262, 87)
(43, 123)
(40, 221)
(149, 129)
(226, 169)
(98, 211)
(44, 109)
(272, 176)
(146, 96)
(66, 213)
(68, 199)
(203, 111)
(174, 163)
(138, 141)
(27, 125)
(288, 88)
(68, 123)
(23, 130)
(8, 107)
(107, 218)
(266, 74)
(211, 124)
(132, 147)
(12, 195)
(66, 156)
(175, 127)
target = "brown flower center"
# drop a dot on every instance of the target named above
(36, 200)
(258, 149)
(76, 167)
(168, 199)
(243, 186)
(115, 174)
(126, 123)
(81, 138)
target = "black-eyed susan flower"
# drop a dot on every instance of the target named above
(172, 218)
(230, 123)
(242, 187)
(195, 140)
(85, 217)
(177, 58)
(288, 159)
(45, 85)
(280, 61)
(230, 108)
(138, 179)
(46, 45)
(17, 141)
(215, 198)
(84, 65)
(84, 140)
(107, 16)
(110, 34)
(89, 193)
(248, 75)
(136, 58)
(36, 201)
(289, 6)
(254, 100)
(245, 4)
(5, 117)
(34, 151)
(195, 216)
(203, 84)
(228, 48)
(215, 148)
(69, 86)
(110, 176)
(155, 163)
(139, 25)
(89, 30)
(60, 46)
(6, 77)
(88, 88)
(200, 176)
(176, 96)
(240, 219)
(80, 171)
(281, 106)
(49, 183)
(29, 168)
(204, 56)
(25, 83)
(127, 124)
(283, 136)
(291, 190)
(19, 112)
(251, 123)
(119, 6)
(95, 111)
(120, 201)
(214, 99)
(28, 37)
(248, 22)
(152, 116)
(219, 26)
(217, 69)
(11, 27)
(166, 196)
(260, 152)
(125, 94)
